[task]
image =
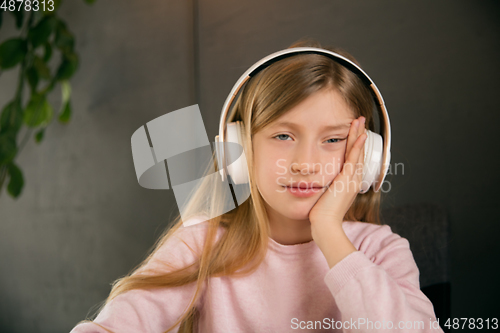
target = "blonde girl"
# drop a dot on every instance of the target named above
(287, 259)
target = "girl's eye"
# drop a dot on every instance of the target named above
(286, 135)
(338, 140)
(281, 136)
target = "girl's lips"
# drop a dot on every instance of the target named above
(302, 192)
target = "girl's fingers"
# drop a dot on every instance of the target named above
(352, 160)
(361, 158)
(354, 156)
(361, 161)
(354, 166)
(351, 137)
(357, 128)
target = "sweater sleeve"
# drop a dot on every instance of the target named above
(378, 286)
(154, 310)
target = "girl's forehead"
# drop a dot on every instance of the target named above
(331, 118)
(324, 103)
(333, 124)
(323, 110)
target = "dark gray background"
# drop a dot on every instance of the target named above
(83, 220)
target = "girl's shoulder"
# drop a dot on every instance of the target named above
(195, 229)
(193, 232)
(183, 247)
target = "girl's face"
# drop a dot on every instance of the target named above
(306, 145)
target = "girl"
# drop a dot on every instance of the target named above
(286, 259)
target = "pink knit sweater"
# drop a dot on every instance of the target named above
(370, 290)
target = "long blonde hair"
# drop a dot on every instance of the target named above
(242, 246)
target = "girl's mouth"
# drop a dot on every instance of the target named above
(303, 192)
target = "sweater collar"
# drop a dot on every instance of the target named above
(303, 248)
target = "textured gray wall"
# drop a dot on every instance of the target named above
(83, 220)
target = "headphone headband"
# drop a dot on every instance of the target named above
(385, 127)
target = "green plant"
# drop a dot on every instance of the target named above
(42, 33)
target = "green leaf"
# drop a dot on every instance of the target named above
(32, 76)
(39, 135)
(64, 39)
(67, 67)
(65, 115)
(11, 118)
(12, 51)
(38, 112)
(90, 2)
(16, 182)
(41, 32)
(41, 68)
(8, 147)
(47, 52)
(65, 91)
(19, 15)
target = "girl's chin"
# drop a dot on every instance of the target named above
(296, 213)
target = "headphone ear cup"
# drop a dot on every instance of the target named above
(374, 149)
(238, 169)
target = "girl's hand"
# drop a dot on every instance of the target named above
(328, 213)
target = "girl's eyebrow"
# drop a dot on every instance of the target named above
(324, 128)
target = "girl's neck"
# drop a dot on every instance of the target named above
(288, 231)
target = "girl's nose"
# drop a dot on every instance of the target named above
(306, 162)
(306, 158)
(305, 168)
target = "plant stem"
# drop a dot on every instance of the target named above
(24, 34)
(19, 92)
(25, 140)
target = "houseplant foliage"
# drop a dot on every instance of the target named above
(43, 35)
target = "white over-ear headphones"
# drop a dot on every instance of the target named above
(377, 146)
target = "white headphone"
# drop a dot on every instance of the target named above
(377, 146)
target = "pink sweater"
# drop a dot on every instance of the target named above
(293, 290)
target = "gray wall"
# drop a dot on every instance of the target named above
(83, 220)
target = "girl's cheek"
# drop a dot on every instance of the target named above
(333, 167)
